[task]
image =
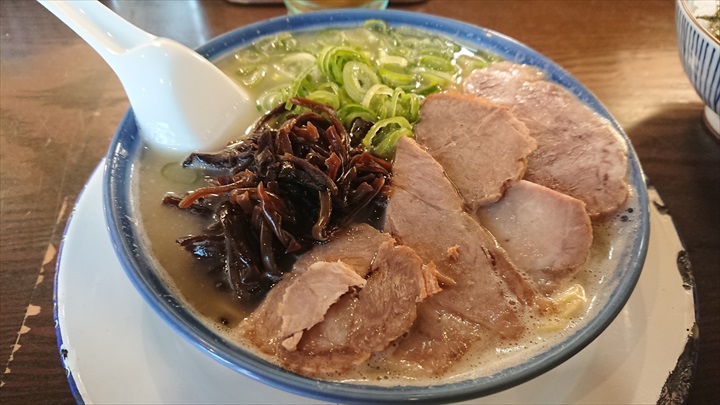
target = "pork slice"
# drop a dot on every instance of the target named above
(428, 182)
(578, 152)
(262, 328)
(460, 248)
(480, 294)
(367, 322)
(547, 234)
(305, 302)
(482, 146)
(356, 248)
(436, 341)
(502, 82)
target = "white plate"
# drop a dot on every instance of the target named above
(117, 350)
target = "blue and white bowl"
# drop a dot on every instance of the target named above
(122, 219)
(700, 55)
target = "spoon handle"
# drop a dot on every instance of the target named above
(109, 34)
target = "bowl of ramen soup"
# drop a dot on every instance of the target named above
(698, 37)
(424, 210)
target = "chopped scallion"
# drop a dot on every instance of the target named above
(375, 72)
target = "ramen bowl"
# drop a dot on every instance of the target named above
(700, 55)
(124, 224)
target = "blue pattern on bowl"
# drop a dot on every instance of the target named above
(700, 55)
(122, 223)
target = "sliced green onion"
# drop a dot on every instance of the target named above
(271, 98)
(280, 43)
(251, 75)
(325, 97)
(300, 86)
(250, 55)
(437, 63)
(376, 96)
(362, 38)
(332, 60)
(396, 79)
(294, 64)
(349, 112)
(331, 36)
(412, 104)
(358, 78)
(405, 105)
(330, 86)
(375, 72)
(383, 135)
(393, 60)
(431, 81)
(175, 172)
(386, 147)
(441, 48)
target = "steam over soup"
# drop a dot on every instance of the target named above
(393, 216)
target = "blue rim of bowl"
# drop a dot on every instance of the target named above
(133, 257)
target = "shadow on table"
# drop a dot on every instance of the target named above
(681, 158)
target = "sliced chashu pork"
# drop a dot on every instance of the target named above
(484, 302)
(437, 340)
(578, 153)
(547, 234)
(355, 326)
(361, 324)
(481, 146)
(425, 213)
(311, 294)
(486, 285)
(423, 195)
(355, 247)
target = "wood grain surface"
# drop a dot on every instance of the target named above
(60, 104)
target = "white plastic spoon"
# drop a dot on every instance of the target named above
(181, 101)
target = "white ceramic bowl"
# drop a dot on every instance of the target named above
(122, 218)
(700, 55)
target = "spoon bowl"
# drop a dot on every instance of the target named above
(180, 100)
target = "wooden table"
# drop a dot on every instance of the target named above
(61, 104)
